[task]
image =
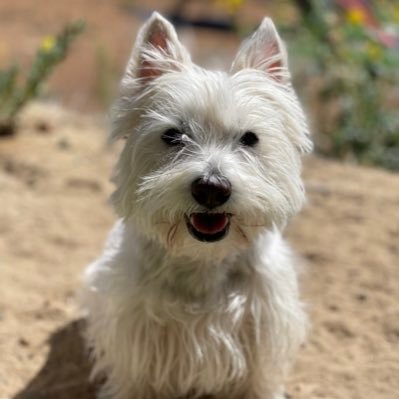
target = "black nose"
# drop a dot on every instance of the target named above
(211, 191)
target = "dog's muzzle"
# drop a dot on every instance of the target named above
(210, 191)
(208, 227)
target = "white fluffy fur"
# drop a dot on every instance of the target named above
(169, 316)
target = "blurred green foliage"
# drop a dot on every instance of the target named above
(107, 76)
(16, 92)
(350, 75)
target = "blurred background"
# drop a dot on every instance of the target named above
(60, 65)
(344, 55)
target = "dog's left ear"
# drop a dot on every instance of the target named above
(264, 51)
(157, 50)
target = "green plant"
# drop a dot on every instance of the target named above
(14, 94)
(107, 76)
(351, 77)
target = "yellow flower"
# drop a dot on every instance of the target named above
(232, 5)
(396, 13)
(356, 16)
(48, 44)
(374, 52)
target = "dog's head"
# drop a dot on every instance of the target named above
(211, 158)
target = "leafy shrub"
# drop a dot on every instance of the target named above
(350, 76)
(14, 94)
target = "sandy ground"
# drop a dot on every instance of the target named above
(53, 220)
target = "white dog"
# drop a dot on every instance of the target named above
(196, 293)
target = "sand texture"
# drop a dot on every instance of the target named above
(54, 216)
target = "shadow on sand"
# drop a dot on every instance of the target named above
(66, 371)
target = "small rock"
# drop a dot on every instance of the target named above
(361, 297)
(88, 184)
(64, 144)
(23, 342)
(43, 127)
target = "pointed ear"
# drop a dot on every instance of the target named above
(157, 50)
(264, 51)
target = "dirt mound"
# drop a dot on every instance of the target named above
(53, 220)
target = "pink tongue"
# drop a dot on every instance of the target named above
(209, 223)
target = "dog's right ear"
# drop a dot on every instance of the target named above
(157, 50)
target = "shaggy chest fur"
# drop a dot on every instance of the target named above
(167, 329)
(188, 349)
(194, 326)
(173, 327)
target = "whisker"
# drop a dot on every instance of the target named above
(243, 234)
(171, 234)
(254, 225)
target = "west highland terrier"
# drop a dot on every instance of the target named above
(196, 292)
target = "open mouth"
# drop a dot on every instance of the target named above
(208, 227)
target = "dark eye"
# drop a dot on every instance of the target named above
(172, 137)
(249, 139)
